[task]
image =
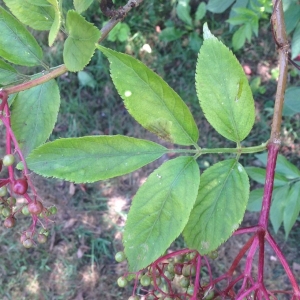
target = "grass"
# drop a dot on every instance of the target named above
(77, 262)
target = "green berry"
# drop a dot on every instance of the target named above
(179, 258)
(25, 211)
(3, 191)
(8, 160)
(193, 270)
(186, 270)
(171, 268)
(6, 211)
(169, 275)
(209, 295)
(52, 210)
(12, 201)
(134, 298)
(28, 243)
(41, 239)
(120, 256)
(44, 231)
(158, 281)
(122, 282)
(145, 280)
(192, 255)
(190, 290)
(213, 254)
(184, 282)
(130, 277)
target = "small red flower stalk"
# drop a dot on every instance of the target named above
(18, 186)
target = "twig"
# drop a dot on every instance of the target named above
(62, 69)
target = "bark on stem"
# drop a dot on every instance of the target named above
(274, 142)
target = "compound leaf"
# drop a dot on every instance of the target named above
(82, 5)
(160, 210)
(34, 113)
(150, 100)
(17, 44)
(93, 158)
(37, 17)
(223, 90)
(80, 45)
(220, 206)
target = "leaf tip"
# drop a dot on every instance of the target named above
(207, 33)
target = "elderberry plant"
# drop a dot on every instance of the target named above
(206, 209)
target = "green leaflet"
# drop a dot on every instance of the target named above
(296, 42)
(80, 45)
(93, 158)
(259, 175)
(217, 6)
(291, 105)
(34, 113)
(183, 11)
(56, 23)
(201, 11)
(160, 210)
(255, 200)
(17, 44)
(278, 206)
(285, 207)
(292, 208)
(220, 206)
(223, 90)
(150, 100)
(82, 5)
(37, 17)
(8, 74)
(283, 166)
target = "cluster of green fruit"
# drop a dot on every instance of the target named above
(8, 207)
(158, 281)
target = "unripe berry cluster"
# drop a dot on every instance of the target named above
(14, 186)
(170, 277)
(9, 208)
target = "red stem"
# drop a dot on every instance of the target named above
(8, 140)
(197, 279)
(261, 257)
(273, 149)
